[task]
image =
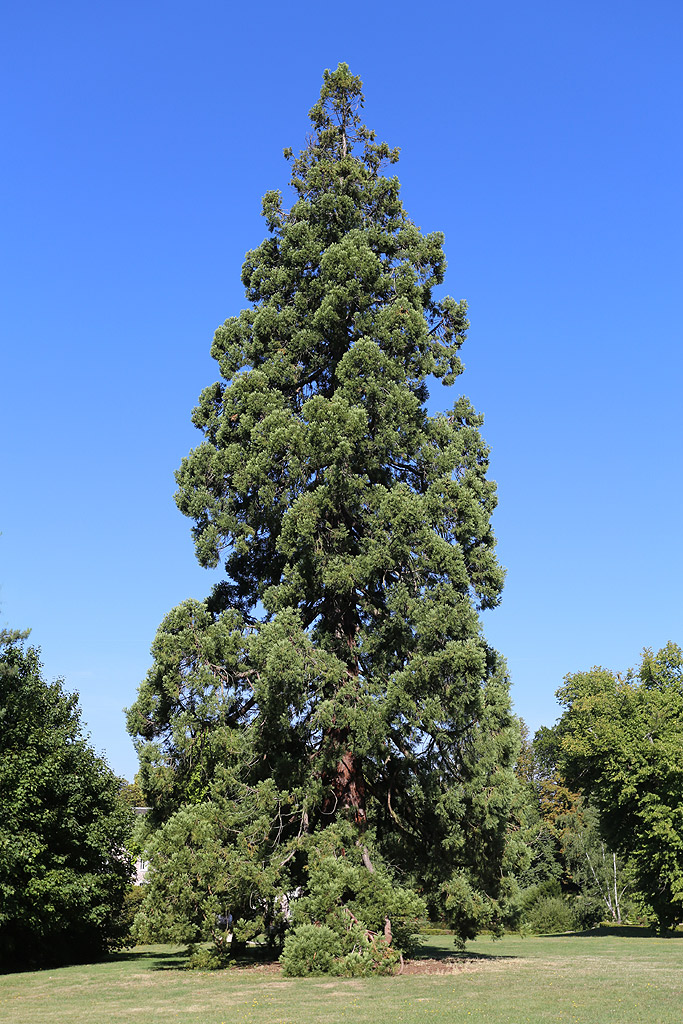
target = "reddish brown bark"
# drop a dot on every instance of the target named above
(347, 785)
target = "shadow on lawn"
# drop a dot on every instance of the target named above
(429, 952)
(177, 959)
(606, 931)
(167, 961)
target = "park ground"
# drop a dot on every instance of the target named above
(617, 976)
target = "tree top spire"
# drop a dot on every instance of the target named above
(338, 127)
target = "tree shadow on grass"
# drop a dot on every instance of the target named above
(427, 951)
(608, 931)
(170, 960)
(178, 959)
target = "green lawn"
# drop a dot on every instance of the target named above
(611, 978)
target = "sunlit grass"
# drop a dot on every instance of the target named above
(609, 978)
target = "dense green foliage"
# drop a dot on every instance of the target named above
(339, 675)
(211, 860)
(573, 879)
(621, 742)
(64, 870)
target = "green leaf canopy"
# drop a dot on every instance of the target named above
(64, 867)
(621, 741)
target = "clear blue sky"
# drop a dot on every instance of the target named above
(544, 140)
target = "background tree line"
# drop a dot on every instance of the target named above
(598, 808)
(65, 867)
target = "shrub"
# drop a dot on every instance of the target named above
(369, 957)
(551, 914)
(587, 911)
(345, 895)
(310, 949)
(318, 949)
(203, 958)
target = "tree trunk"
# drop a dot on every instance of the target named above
(347, 785)
(616, 894)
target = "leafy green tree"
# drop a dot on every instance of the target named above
(64, 870)
(542, 877)
(573, 880)
(343, 659)
(601, 880)
(621, 742)
(132, 795)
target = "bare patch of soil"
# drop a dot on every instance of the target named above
(460, 964)
(447, 965)
(270, 967)
(444, 965)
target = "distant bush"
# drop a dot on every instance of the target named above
(132, 902)
(535, 893)
(434, 928)
(551, 914)
(546, 909)
(588, 912)
(203, 958)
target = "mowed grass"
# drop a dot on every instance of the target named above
(606, 978)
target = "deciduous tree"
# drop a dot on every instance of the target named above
(64, 869)
(621, 742)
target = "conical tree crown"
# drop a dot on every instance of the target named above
(342, 657)
(322, 418)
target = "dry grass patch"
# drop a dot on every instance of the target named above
(605, 979)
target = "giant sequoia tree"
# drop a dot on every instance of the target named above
(338, 680)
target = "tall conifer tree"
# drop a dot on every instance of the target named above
(342, 661)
